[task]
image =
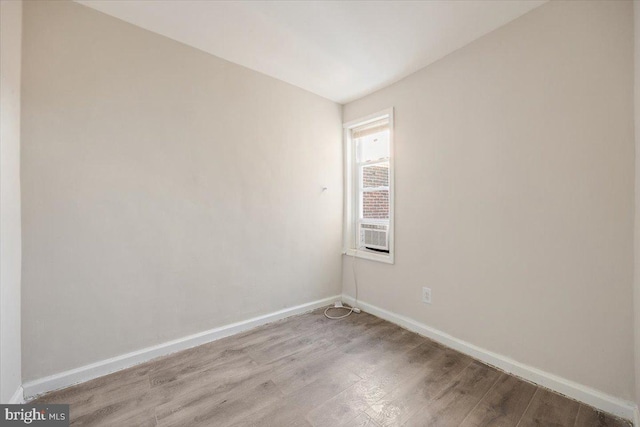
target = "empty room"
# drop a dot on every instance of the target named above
(320, 213)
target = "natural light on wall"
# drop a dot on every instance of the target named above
(369, 187)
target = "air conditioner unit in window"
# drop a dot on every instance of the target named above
(374, 235)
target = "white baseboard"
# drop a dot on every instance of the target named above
(636, 417)
(599, 400)
(107, 366)
(18, 396)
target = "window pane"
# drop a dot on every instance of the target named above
(373, 147)
(376, 175)
(375, 204)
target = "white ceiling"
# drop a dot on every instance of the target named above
(341, 50)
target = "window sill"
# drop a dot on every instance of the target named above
(370, 255)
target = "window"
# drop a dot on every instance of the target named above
(369, 187)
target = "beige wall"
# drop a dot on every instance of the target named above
(165, 191)
(10, 240)
(636, 282)
(514, 194)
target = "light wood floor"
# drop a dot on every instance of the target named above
(311, 371)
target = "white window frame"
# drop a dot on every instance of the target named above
(351, 187)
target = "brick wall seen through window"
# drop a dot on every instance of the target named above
(375, 204)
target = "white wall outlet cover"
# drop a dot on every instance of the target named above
(426, 295)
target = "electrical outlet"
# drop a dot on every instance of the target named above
(426, 295)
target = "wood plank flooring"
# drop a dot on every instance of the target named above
(311, 371)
